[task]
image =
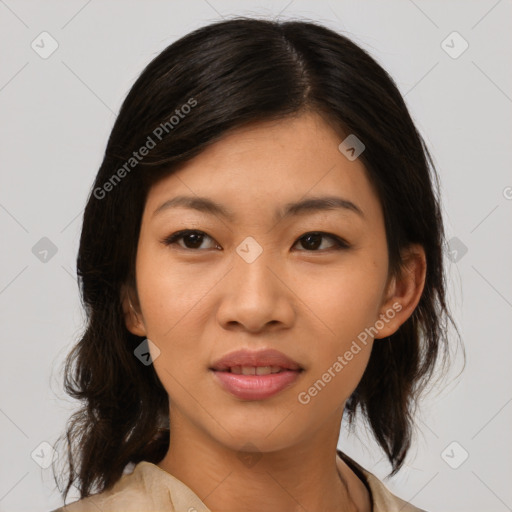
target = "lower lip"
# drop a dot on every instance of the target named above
(256, 387)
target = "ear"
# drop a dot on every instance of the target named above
(132, 312)
(403, 292)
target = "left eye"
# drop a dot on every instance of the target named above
(193, 239)
(313, 240)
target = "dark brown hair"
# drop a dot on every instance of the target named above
(229, 74)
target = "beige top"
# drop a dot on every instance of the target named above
(149, 488)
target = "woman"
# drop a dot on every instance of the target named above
(261, 255)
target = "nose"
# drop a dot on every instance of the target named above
(256, 296)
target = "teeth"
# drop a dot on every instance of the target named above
(255, 370)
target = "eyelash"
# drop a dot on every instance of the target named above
(340, 244)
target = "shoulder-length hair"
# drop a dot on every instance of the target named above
(213, 80)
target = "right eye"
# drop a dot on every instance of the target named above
(192, 239)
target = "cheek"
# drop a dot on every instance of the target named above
(343, 311)
(345, 299)
(344, 306)
(331, 384)
(172, 303)
(166, 293)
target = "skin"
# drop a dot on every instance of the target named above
(308, 301)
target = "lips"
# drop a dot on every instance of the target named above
(255, 370)
(258, 375)
(245, 361)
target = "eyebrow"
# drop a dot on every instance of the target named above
(311, 204)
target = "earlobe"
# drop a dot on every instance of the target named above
(132, 314)
(404, 291)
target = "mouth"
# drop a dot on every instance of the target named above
(255, 375)
(256, 386)
(256, 370)
(260, 362)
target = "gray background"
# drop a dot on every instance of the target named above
(57, 113)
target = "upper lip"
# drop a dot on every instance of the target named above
(268, 357)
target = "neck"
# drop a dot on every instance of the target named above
(295, 478)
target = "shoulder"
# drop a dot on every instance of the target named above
(133, 492)
(147, 487)
(383, 500)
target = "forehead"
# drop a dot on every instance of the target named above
(267, 164)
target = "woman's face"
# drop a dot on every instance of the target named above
(253, 279)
